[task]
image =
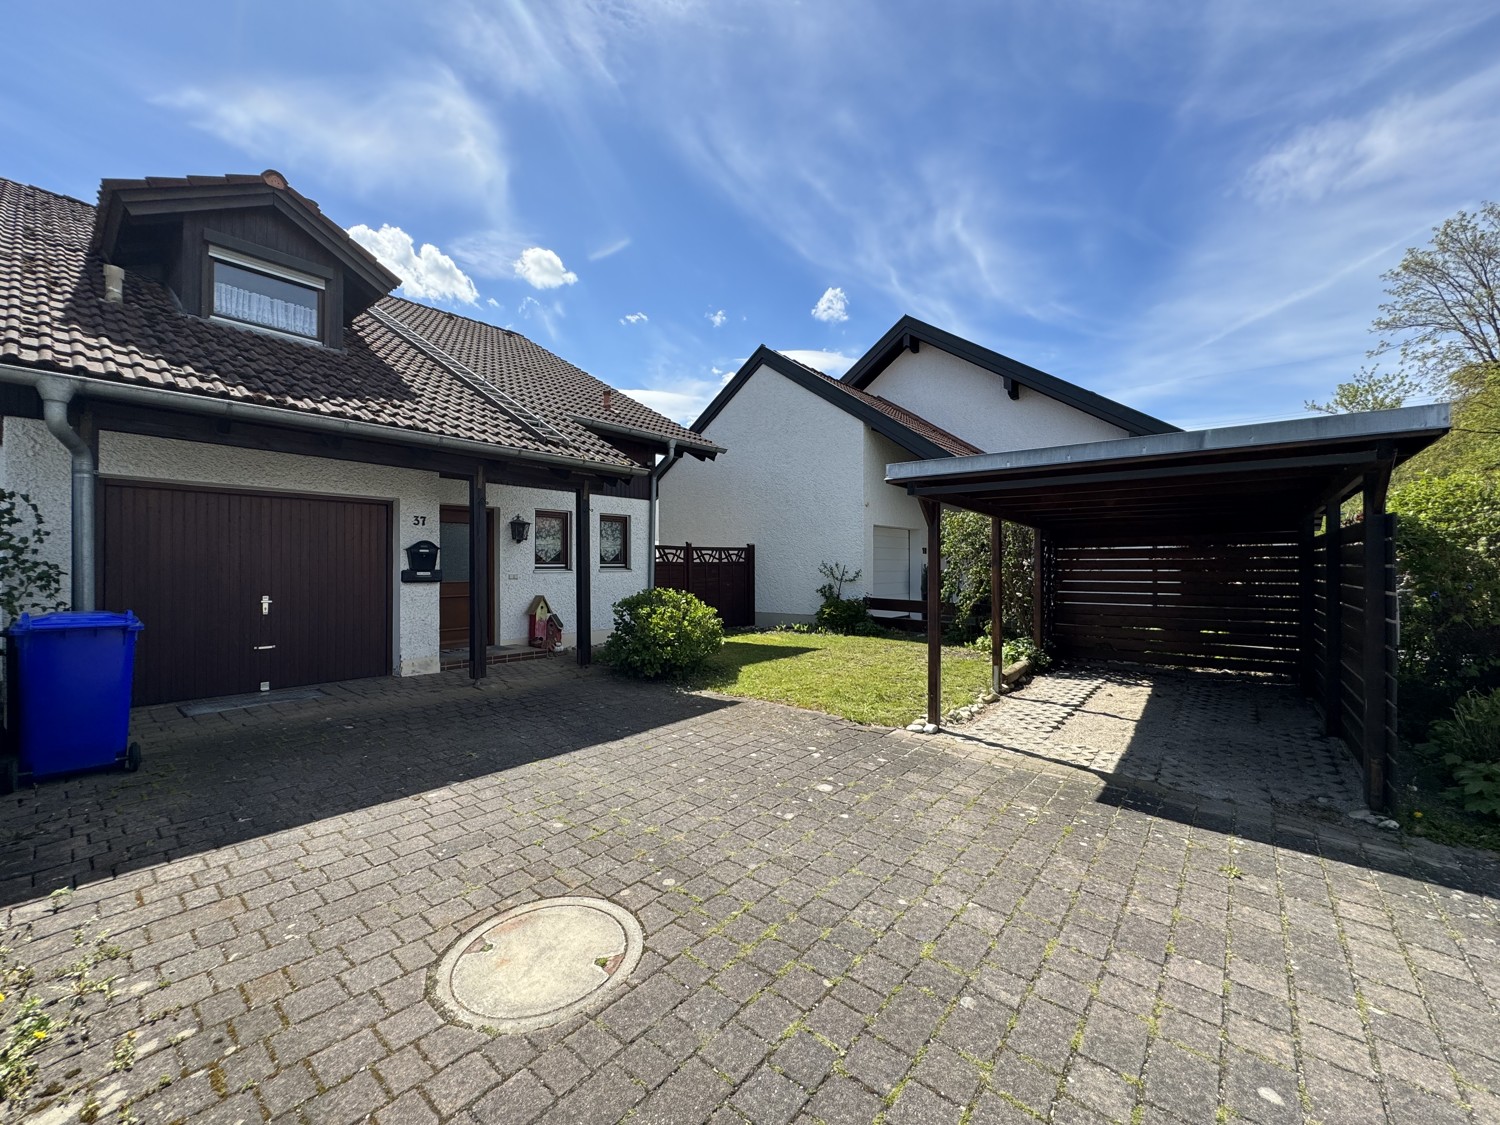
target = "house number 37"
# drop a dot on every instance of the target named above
(419, 521)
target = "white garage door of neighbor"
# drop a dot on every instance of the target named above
(892, 563)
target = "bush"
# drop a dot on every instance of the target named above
(662, 633)
(1448, 539)
(839, 614)
(1469, 745)
(1016, 648)
(844, 615)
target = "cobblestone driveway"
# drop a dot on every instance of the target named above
(842, 923)
(1229, 738)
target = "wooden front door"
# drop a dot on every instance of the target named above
(453, 601)
(240, 590)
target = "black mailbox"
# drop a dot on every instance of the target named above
(423, 559)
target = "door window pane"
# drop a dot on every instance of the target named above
(454, 558)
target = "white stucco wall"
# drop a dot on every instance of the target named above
(889, 506)
(971, 402)
(34, 462)
(792, 483)
(518, 579)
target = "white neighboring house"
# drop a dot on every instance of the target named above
(255, 433)
(805, 482)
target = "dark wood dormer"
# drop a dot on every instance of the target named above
(247, 251)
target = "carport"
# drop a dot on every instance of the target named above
(1219, 549)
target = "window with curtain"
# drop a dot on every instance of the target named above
(549, 534)
(614, 541)
(266, 301)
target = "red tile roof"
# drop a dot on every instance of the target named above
(53, 316)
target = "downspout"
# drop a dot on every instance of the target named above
(56, 392)
(656, 475)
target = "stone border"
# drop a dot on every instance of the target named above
(440, 989)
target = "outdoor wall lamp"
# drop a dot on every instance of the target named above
(520, 528)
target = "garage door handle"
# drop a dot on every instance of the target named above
(261, 648)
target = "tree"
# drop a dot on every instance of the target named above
(1369, 390)
(1443, 315)
(966, 571)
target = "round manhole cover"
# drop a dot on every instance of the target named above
(537, 964)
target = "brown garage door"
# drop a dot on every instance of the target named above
(239, 590)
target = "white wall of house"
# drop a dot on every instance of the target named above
(971, 402)
(792, 483)
(890, 507)
(518, 579)
(33, 461)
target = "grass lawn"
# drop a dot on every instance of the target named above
(866, 679)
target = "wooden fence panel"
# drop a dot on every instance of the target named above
(724, 577)
(1189, 603)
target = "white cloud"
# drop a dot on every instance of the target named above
(634, 318)
(494, 304)
(717, 318)
(832, 307)
(830, 363)
(683, 397)
(543, 269)
(426, 274)
(545, 314)
(609, 250)
(425, 134)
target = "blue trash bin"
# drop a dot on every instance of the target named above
(70, 695)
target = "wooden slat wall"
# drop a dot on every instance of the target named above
(1230, 605)
(1350, 661)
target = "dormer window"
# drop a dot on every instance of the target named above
(267, 297)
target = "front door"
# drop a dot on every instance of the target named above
(453, 600)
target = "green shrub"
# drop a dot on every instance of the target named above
(1469, 745)
(1016, 648)
(843, 615)
(1448, 544)
(839, 614)
(662, 633)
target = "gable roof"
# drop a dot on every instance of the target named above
(911, 432)
(53, 317)
(909, 333)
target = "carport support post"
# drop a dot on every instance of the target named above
(479, 571)
(997, 601)
(583, 575)
(932, 512)
(1373, 670)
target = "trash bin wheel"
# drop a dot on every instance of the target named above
(9, 775)
(133, 757)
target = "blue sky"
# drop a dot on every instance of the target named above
(1185, 206)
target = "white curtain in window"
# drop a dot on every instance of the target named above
(258, 308)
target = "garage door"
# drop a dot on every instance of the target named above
(892, 563)
(239, 591)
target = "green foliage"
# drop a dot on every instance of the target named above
(1370, 390)
(1448, 538)
(27, 581)
(662, 633)
(839, 614)
(844, 615)
(1016, 648)
(966, 573)
(1468, 743)
(29, 1029)
(1443, 314)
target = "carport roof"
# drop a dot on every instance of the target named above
(1237, 478)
